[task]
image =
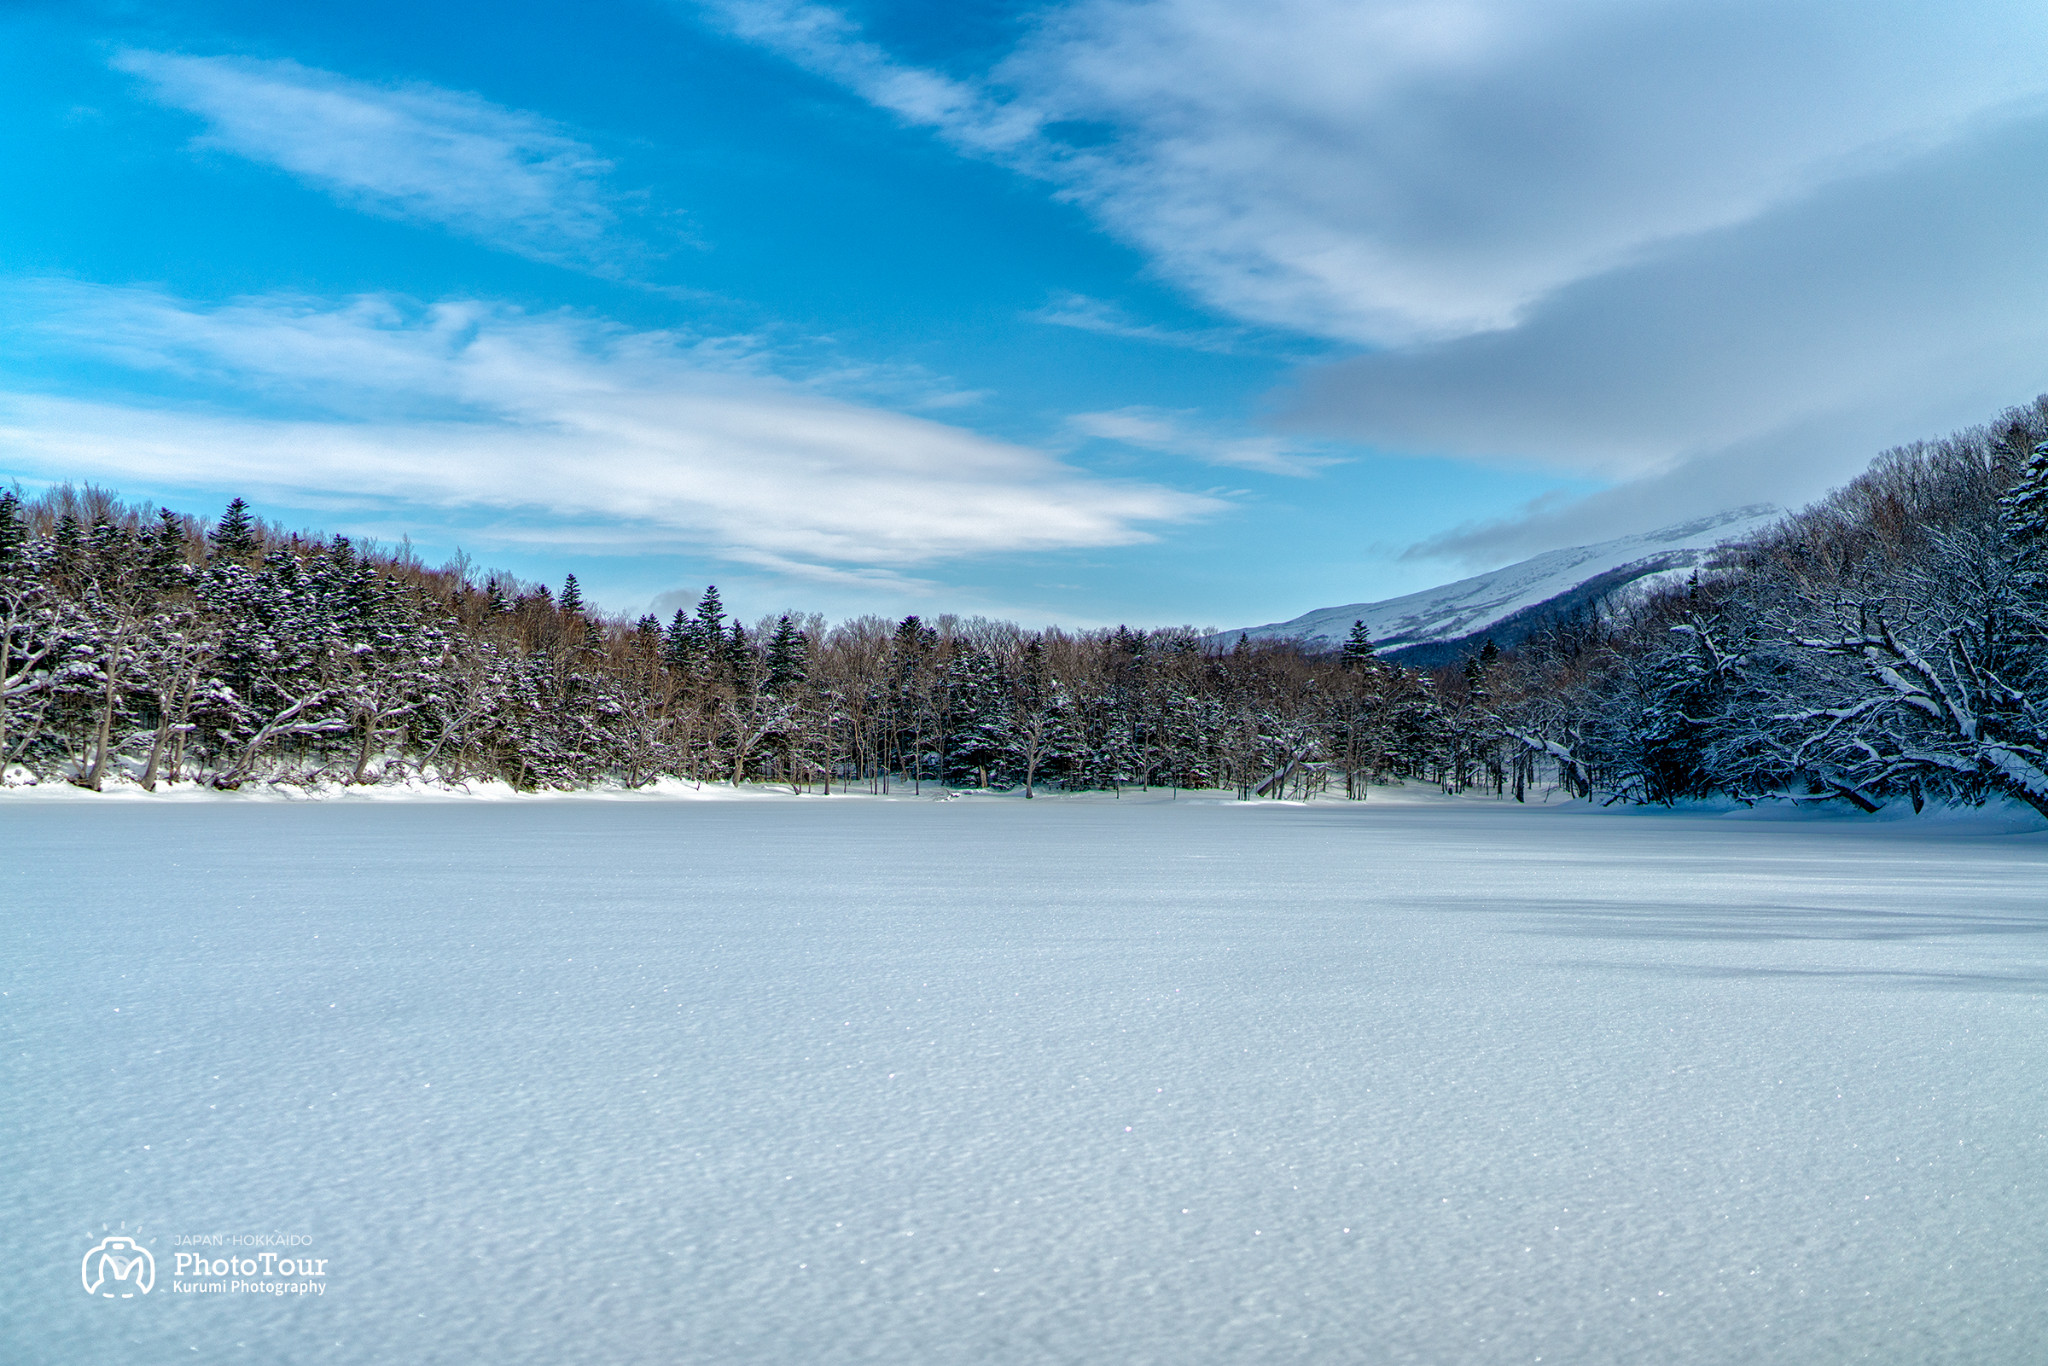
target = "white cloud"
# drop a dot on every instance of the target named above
(1083, 314)
(1718, 251)
(1384, 171)
(416, 152)
(625, 438)
(823, 40)
(1759, 363)
(1181, 433)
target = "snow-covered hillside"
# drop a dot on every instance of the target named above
(1485, 601)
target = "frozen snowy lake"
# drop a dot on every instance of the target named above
(813, 1082)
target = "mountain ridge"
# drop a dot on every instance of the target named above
(1433, 625)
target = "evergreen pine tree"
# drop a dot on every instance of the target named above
(2023, 519)
(111, 552)
(787, 662)
(69, 542)
(166, 545)
(234, 537)
(13, 534)
(710, 623)
(677, 647)
(1358, 648)
(572, 595)
(1478, 669)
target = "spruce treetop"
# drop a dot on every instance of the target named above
(787, 655)
(678, 647)
(736, 652)
(167, 545)
(2023, 507)
(1358, 647)
(2023, 521)
(234, 536)
(13, 533)
(710, 617)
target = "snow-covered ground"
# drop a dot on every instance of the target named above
(983, 1081)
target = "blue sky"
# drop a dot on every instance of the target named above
(1152, 311)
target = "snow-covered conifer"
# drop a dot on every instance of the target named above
(13, 533)
(234, 537)
(678, 646)
(788, 664)
(1358, 647)
(710, 621)
(2023, 518)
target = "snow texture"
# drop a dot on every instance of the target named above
(979, 1081)
(1475, 604)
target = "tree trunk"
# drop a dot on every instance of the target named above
(106, 728)
(156, 747)
(363, 751)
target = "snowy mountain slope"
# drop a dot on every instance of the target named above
(1521, 594)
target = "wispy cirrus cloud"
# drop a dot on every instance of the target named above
(1184, 434)
(1712, 251)
(825, 41)
(1763, 361)
(1385, 172)
(1085, 314)
(417, 152)
(561, 424)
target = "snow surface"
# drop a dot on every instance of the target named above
(1469, 605)
(984, 1081)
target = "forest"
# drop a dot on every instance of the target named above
(1888, 643)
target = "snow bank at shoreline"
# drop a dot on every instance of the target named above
(666, 789)
(1992, 818)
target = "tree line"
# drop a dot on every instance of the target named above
(1888, 643)
(138, 643)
